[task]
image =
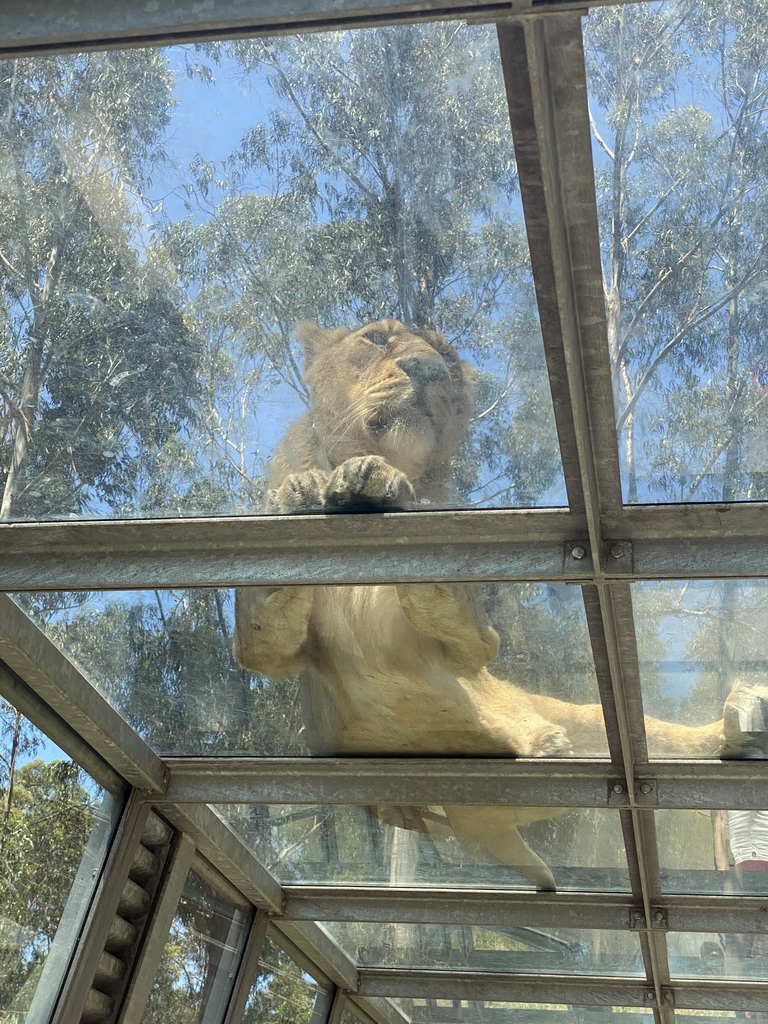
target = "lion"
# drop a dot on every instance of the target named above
(402, 670)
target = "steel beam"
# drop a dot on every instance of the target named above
(36, 27)
(515, 908)
(216, 841)
(406, 546)
(658, 541)
(487, 986)
(404, 781)
(374, 904)
(526, 782)
(28, 652)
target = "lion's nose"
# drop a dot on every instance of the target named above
(423, 369)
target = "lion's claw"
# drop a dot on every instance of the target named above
(367, 483)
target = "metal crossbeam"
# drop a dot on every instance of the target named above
(657, 542)
(417, 781)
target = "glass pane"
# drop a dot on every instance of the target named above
(680, 128)
(714, 955)
(469, 947)
(714, 851)
(163, 660)
(703, 665)
(284, 993)
(362, 846)
(441, 1011)
(172, 215)
(55, 827)
(197, 969)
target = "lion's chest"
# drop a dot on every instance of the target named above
(383, 679)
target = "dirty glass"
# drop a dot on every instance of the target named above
(679, 128)
(713, 852)
(163, 660)
(197, 969)
(172, 215)
(508, 949)
(443, 1011)
(364, 846)
(55, 827)
(702, 656)
(718, 955)
(284, 991)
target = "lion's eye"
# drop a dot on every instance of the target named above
(377, 337)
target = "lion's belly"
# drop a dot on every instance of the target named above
(378, 686)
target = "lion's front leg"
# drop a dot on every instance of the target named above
(271, 625)
(453, 615)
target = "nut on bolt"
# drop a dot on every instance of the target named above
(578, 551)
(646, 787)
(617, 551)
(618, 788)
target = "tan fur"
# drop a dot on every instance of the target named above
(401, 670)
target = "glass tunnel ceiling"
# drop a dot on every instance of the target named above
(243, 844)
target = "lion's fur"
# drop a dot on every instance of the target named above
(391, 670)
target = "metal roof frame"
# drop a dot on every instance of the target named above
(597, 543)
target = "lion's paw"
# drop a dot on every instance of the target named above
(299, 492)
(551, 741)
(367, 484)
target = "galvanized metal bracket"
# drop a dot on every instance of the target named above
(637, 920)
(646, 793)
(617, 793)
(659, 920)
(618, 557)
(577, 557)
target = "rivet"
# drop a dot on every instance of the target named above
(578, 552)
(617, 551)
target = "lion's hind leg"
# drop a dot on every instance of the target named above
(495, 828)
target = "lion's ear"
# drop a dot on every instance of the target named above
(315, 338)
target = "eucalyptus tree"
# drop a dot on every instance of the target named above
(377, 180)
(96, 360)
(681, 146)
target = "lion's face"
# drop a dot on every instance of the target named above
(384, 390)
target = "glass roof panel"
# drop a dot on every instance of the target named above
(441, 1011)
(679, 135)
(468, 947)
(163, 660)
(348, 845)
(57, 826)
(199, 961)
(172, 214)
(713, 852)
(718, 956)
(702, 649)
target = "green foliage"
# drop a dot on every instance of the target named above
(283, 993)
(684, 208)
(98, 361)
(47, 811)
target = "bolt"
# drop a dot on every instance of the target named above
(617, 551)
(578, 552)
(650, 995)
(618, 788)
(646, 787)
(638, 917)
(658, 915)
